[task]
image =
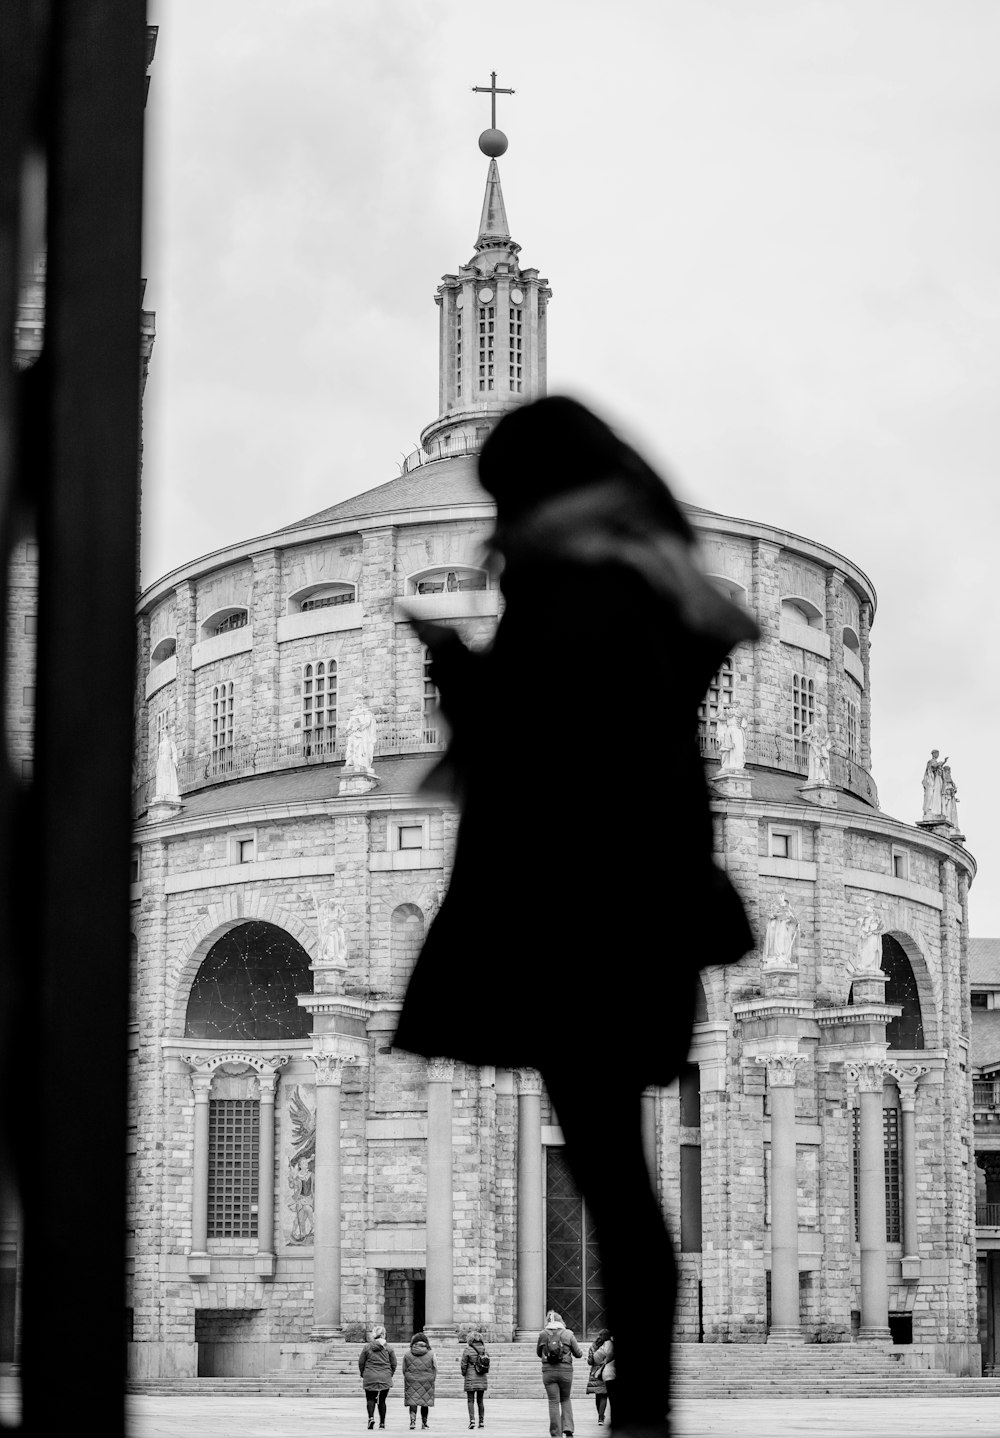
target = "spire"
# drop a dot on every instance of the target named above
(493, 228)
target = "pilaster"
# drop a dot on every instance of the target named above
(264, 618)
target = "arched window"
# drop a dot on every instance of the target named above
(906, 1032)
(166, 649)
(450, 581)
(319, 706)
(233, 617)
(247, 986)
(801, 611)
(803, 711)
(718, 697)
(324, 596)
(223, 720)
(851, 640)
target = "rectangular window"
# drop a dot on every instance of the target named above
(246, 851)
(514, 342)
(853, 730)
(430, 703)
(319, 706)
(458, 352)
(890, 1145)
(979, 1001)
(135, 866)
(900, 864)
(233, 1167)
(410, 836)
(718, 697)
(223, 719)
(31, 624)
(803, 712)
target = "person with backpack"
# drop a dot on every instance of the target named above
(419, 1378)
(475, 1367)
(557, 1348)
(377, 1361)
(600, 1351)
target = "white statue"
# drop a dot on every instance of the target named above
(818, 737)
(360, 748)
(868, 956)
(166, 790)
(732, 740)
(933, 784)
(949, 795)
(780, 938)
(330, 931)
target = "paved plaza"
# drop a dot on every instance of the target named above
(753, 1418)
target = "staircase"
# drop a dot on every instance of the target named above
(710, 1370)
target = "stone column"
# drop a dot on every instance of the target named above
(784, 1327)
(870, 1076)
(201, 1082)
(326, 1201)
(265, 1182)
(440, 1223)
(530, 1216)
(649, 1096)
(907, 1077)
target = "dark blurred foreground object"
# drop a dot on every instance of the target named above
(584, 897)
(72, 85)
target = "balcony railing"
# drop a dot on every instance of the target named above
(986, 1095)
(458, 446)
(773, 750)
(988, 1215)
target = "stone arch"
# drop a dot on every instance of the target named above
(731, 588)
(248, 986)
(235, 909)
(923, 980)
(406, 937)
(709, 998)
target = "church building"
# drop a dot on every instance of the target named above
(295, 1178)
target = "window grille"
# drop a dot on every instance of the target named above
(803, 712)
(451, 581)
(853, 729)
(327, 601)
(233, 1167)
(430, 702)
(223, 718)
(890, 1146)
(515, 350)
(718, 697)
(458, 352)
(487, 327)
(319, 705)
(232, 621)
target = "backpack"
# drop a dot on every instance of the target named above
(554, 1347)
(482, 1363)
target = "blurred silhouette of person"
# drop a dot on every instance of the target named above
(583, 870)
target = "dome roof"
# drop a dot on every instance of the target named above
(439, 483)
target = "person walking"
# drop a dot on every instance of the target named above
(607, 1356)
(596, 1356)
(475, 1363)
(557, 1347)
(377, 1362)
(419, 1378)
(599, 566)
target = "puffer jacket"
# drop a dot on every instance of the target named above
(596, 1357)
(419, 1375)
(377, 1363)
(473, 1380)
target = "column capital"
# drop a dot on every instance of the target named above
(440, 1070)
(329, 1070)
(529, 1081)
(781, 1068)
(201, 1082)
(907, 1077)
(869, 1074)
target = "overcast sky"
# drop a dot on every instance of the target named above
(772, 229)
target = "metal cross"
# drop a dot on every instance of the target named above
(493, 91)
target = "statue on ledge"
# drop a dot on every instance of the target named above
(867, 960)
(781, 935)
(167, 790)
(360, 749)
(732, 740)
(933, 785)
(818, 738)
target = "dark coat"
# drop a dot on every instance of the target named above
(595, 1357)
(419, 1375)
(585, 835)
(377, 1362)
(473, 1380)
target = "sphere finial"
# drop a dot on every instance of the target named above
(493, 143)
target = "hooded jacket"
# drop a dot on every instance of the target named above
(419, 1374)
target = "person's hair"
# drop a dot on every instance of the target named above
(422, 1337)
(553, 1317)
(602, 1337)
(554, 445)
(378, 1331)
